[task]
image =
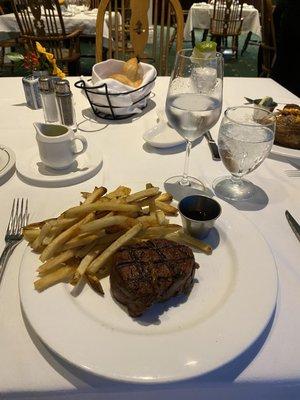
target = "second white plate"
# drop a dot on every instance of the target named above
(229, 306)
(34, 171)
(163, 136)
(7, 160)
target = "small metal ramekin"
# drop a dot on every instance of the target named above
(211, 209)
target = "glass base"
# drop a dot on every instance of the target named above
(228, 188)
(179, 189)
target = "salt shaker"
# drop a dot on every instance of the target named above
(64, 101)
(48, 99)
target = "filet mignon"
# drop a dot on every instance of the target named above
(150, 272)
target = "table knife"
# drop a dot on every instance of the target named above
(293, 224)
(212, 146)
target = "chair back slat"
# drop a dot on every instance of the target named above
(139, 26)
(110, 29)
(129, 30)
(165, 55)
(123, 29)
(268, 43)
(155, 26)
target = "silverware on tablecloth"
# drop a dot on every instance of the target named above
(18, 218)
(293, 224)
(212, 146)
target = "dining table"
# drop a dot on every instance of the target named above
(269, 368)
(84, 20)
(200, 14)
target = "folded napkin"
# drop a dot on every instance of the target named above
(130, 103)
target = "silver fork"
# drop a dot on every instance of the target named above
(18, 218)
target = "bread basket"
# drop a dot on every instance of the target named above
(111, 99)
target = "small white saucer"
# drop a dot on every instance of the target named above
(163, 136)
(31, 168)
(7, 160)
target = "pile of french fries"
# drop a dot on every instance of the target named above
(78, 246)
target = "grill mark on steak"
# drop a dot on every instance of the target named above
(151, 271)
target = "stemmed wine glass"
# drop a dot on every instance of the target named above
(245, 139)
(194, 103)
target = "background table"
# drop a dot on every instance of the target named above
(199, 18)
(270, 369)
(84, 21)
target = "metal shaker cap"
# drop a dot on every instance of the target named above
(46, 84)
(62, 86)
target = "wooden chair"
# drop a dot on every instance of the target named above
(9, 43)
(268, 43)
(42, 21)
(130, 34)
(94, 4)
(227, 22)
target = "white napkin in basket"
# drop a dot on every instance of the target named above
(99, 76)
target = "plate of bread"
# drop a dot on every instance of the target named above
(287, 135)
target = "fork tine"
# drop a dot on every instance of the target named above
(10, 222)
(26, 215)
(16, 217)
(20, 218)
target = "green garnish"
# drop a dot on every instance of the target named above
(205, 49)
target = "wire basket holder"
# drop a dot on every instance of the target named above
(94, 105)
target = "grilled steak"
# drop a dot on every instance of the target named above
(150, 272)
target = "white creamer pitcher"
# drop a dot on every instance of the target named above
(57, 146)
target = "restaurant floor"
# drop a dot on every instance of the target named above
(244, 66)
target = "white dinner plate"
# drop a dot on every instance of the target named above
(285, 152)
(34, 171)
(231, 303)
(7, 160)
(163, 136)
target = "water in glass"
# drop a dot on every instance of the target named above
(243, 149)
(192, 114)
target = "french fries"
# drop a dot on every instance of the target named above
(113, 205)
(78, 246)
(64, 237)
(63, 274)
(100, 260)
(102, 223)
(181, 237)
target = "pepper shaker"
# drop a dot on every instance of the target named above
(48, 99)
(64, 101)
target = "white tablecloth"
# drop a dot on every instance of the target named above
(269, 370)
(86, 22)
(199, 18)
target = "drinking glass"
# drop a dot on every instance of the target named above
(194, 103)
(245, 139)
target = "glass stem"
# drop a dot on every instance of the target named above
(185, 178)
(236, 180)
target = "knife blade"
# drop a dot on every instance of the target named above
(293, 224)
(212, 146)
